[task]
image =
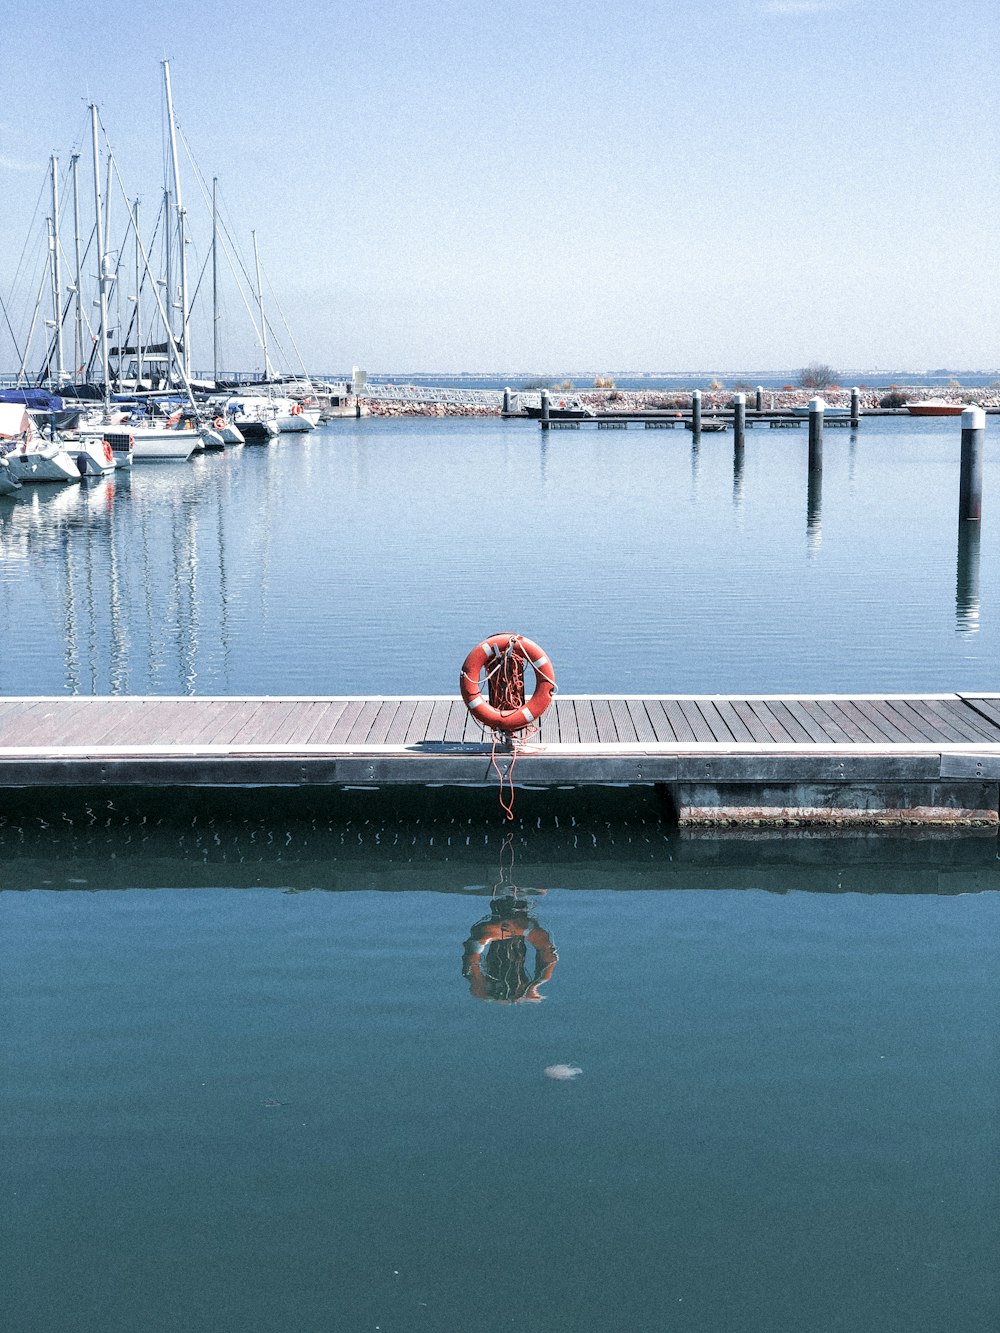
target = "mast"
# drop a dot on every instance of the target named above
(215, 279)
(169, 303)
(56, 272)
(112, 274)
(179, 205)
(78, 325)
(260, 308)
(101, 258)
(138, 301)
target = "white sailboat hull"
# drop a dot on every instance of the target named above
(8, 483)
(160, 445)
(50, 462)
(294, 423)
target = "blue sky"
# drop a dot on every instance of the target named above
(751, 183)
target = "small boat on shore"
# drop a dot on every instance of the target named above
(935, 407)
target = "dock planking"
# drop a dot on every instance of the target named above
(719, 758)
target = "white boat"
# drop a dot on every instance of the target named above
(29, 457)
(8, 483)
(295, 417)
(163, 444)
(255, 418)
(41, 460)
(223, 425)
(95, 458)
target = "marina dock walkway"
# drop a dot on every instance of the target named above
(858, 759)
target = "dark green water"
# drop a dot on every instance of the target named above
(255, 1091)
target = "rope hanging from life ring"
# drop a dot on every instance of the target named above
(503, 709)
(503, 657)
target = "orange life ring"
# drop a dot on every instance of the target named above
(109, 453)
(219, 424)
(478, 704)
(296, 409)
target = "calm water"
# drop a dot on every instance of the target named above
(368, 557)
(254, 1078)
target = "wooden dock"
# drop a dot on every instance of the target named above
(717, 759)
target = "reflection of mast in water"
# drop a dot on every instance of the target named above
(223, 589)
(92, 603)
(967, 579)
(70, 627)
(154, 623)
(264, 582)
(186, 585)
(119, 637)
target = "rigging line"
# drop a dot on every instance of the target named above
(28, 237)
(174, 351)
(197, 288)
(31, 330)
(226, 236)
(10, 329)
(291, 337)
(50, 350)
(142, 283)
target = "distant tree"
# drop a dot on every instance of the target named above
(604, 382)
(537, 384)
(817, 376)
(715, 386)
(894, 398)
(565, 386)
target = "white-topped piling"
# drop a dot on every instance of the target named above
(696, 411)
(817, 408)
(970, 486)
(855, 407)
(545, 409)
(739, 420)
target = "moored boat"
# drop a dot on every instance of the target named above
(935, 407)
(29, 457)
(8, 483)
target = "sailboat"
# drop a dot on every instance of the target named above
(137, 438)
(29, 457)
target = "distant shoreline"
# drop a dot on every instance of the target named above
(637, 400)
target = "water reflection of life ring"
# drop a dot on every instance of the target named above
(109, 453)
(526, 651)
